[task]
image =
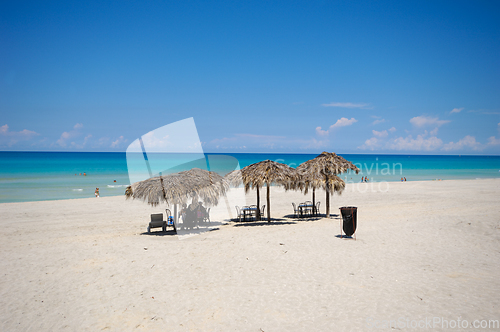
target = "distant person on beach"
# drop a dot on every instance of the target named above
(191, 215)
(401, 179)
(201, 212)
(96, 192)
(84, 174)
(182, 212)
(405, 179)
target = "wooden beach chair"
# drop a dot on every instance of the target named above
(207, 216)
(157, 222)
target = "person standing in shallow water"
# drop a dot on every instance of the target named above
(96, 192)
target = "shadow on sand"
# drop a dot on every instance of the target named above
(201, 228)
(338, 236)
(305, 218)
(160, 233)
(274, 221)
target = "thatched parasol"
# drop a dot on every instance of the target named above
(265, 172)
(177, 188)
(235, 179)
(321, 172)
(312, 180)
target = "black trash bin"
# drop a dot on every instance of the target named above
(349, 216)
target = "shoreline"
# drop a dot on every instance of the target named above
(272, 186)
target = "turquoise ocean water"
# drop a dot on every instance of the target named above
(34, 176)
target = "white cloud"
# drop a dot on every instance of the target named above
(456, 110)
(493, 141)
(12, 137)
(118, 142)
(378, 121)
(392, 130)
(415, 144)
(157, 139)
(67, 135)
(314, 144)
(420, 121)
(380, 134)
(434, 131)
(370, 144)
(466, 142)
(85, 141)
(62, 140)
(87, 137)
(321, 132)
(403, 144)
(342, 122)
(25, 133)
(346, 105)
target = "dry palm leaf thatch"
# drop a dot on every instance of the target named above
(321, 172)
(266, 172)
(177, 188)
(234, 178)
(315, 181)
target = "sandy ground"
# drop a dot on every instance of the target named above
(423, 251)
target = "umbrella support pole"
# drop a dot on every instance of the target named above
(175, 216)
(228, 207)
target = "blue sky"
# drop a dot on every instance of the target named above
(418, 77)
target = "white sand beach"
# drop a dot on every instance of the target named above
(423, 250)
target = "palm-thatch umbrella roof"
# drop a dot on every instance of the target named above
(266, 172)
(321, 172)
(177, 188)
(234, 178)
(315, 181)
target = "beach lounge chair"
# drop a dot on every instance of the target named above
(157, 222)
(316, 212)
(207, 216)
(295, 211)
(238, 213)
